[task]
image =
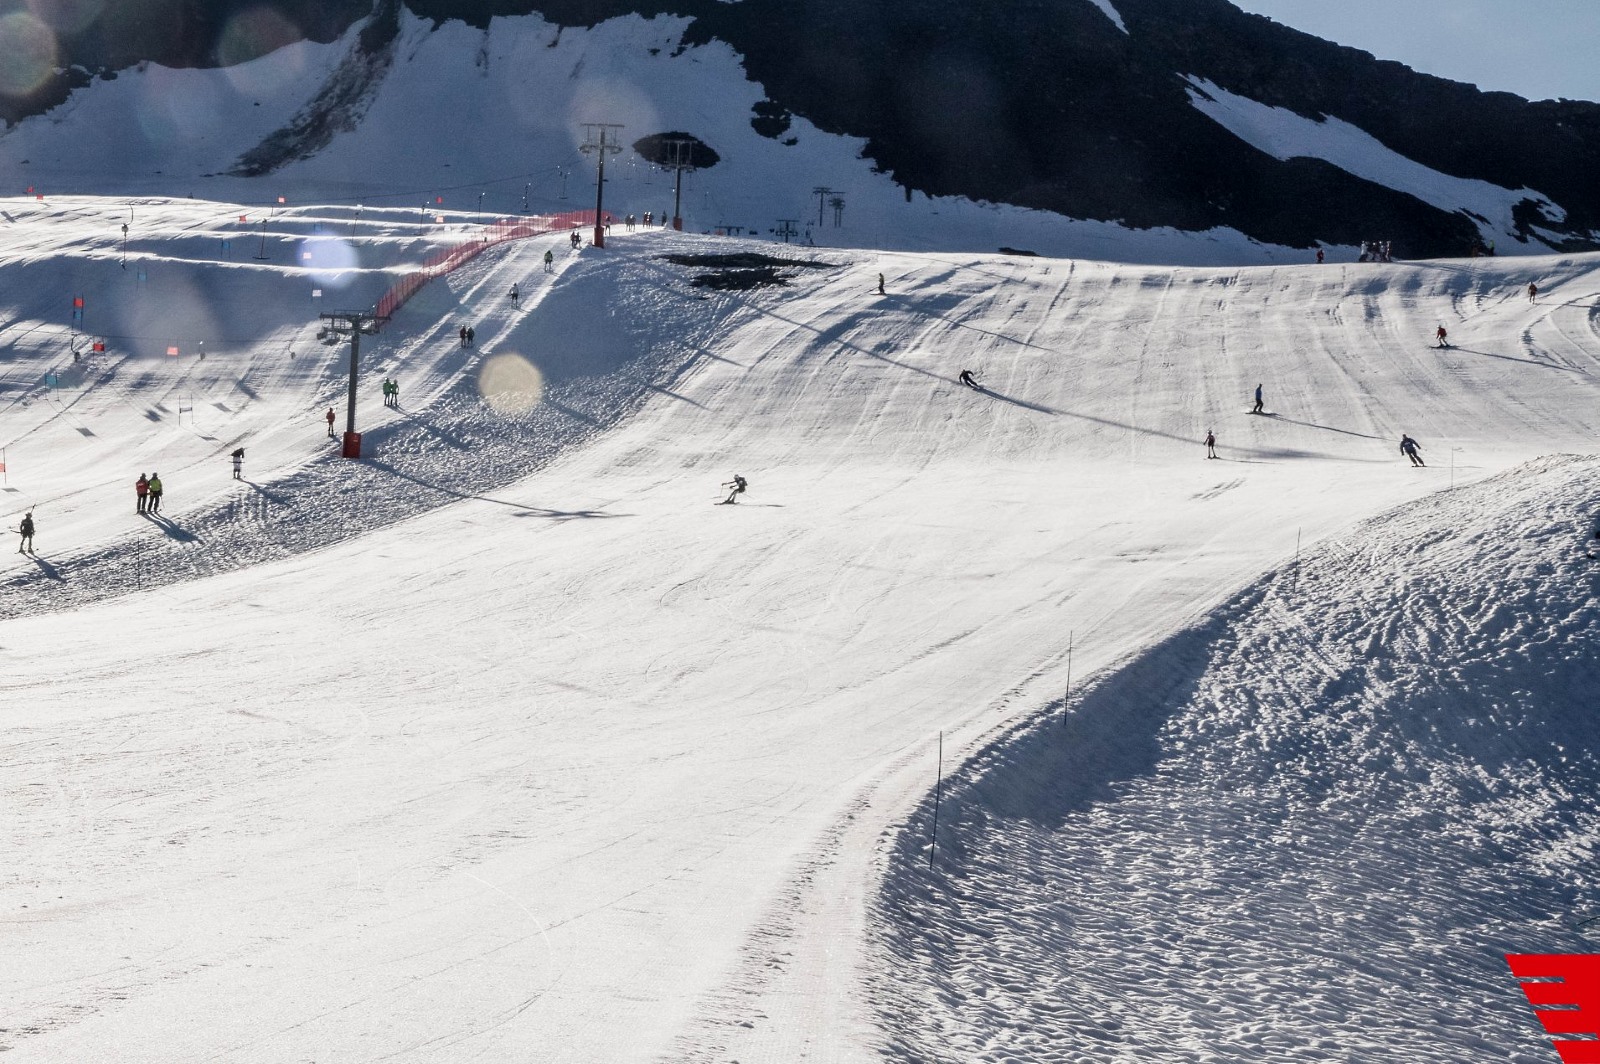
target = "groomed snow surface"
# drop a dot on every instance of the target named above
(507, 743)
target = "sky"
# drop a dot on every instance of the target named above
(1540, 50)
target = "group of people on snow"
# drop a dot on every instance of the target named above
(391, 392)
(1408, 446)
(467, 334)
(1374, 251)
(147, 492)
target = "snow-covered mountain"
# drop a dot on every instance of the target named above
(1155, 130)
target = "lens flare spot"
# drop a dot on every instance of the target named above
(510, 384)
(170, 111)
(256, 34)
(67, 16)
(332, 260)
(27, 53)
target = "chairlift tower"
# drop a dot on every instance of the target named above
(822, 192)
(355, 323)
(601, 138)
(681, 154)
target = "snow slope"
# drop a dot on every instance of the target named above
(560, 761)
(1372, 771)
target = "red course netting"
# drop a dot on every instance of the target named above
(444, 260)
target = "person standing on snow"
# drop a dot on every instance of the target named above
(1211, 444)
(1319, 256)
(238, 463)
(738, 484)
(1533, 292)
(330, 418)
(880, 284)
(549, 261)
(26, 528)
(1409, 447)
(514, 295)
(1257, 409)
(141, 489)
(472, 335)
(154, 505)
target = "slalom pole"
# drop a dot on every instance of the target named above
(938, 795)
(1066, 702)
(1294, 584)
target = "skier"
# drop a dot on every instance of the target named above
(472, 335)
(154, 505)
(1319, 256)
(969, 380)
(26, 528)
(514, 296)
(549, 260)
(462, 332)
(738, 484)
(1533, 291)
(238, 463)
(880, 284)
(1409, 447)
(329, 416)
(1211, 444)
(1257, 408)
(394, 394)
(1440, 335)
(141, 489)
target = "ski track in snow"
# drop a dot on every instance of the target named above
(421, 772)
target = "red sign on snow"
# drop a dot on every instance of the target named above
(1564, 990)
(77, 301)
(172, 352)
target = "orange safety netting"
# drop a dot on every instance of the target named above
(444, 260)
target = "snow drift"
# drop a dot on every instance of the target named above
(1370, 771)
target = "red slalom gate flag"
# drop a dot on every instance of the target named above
(1564, 990)
(438, 199)
(77, 301)
(282, 200)
(244, 218)
(172, 352)
(99, 345)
